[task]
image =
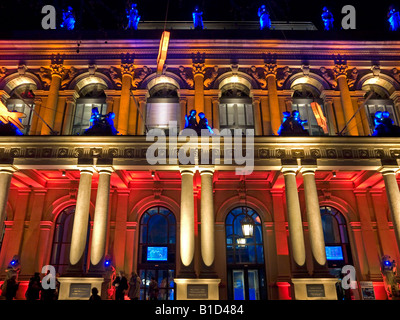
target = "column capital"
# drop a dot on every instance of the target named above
(187, 170)
(206, 170)
(86, 169)
(105, 169)
(388, 169)
(57, 69)
(308, 169)
(289, 169)
(270, 69)
(8, 169)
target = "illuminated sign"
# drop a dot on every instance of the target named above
(157, 253)
(162, 51)
(334, 253)
(7, 116)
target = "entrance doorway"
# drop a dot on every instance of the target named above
(245, 257)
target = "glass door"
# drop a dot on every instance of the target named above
(245, 284)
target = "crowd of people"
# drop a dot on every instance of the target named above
(122, 287)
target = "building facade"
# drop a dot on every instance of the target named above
(317, 202)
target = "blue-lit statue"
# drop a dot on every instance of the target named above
(327, 18)
(197, 19)
(394, 19)
(203, 123)
(101, 125)
(292, 125)
(133, 17)
(265, 21)
(384, 125)
(190, 120)
(68, 19)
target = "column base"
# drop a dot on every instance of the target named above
(197, 289)
(78, 288)
(315, 288)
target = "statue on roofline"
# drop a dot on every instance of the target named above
(197, 18)
(68, 19)
(133, 17)
(265, 21)
(327, 18)
(393, 18)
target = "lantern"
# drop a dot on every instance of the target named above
(247, 226)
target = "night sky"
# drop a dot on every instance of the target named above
(110, 15)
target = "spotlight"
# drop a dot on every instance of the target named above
(63, 174)
(334, 174)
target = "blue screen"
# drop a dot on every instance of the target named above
(157, 253)
(334, 253)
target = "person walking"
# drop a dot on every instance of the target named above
(153, 289)
(34, 286)
(134, 286)
(121, 284)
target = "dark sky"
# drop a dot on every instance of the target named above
(110, 14)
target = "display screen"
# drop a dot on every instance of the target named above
(157, 253)
(334, 253)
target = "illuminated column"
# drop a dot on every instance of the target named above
(215, 112)
(69, 115)
(57, 72)
(187, 237)
(257, 117)
(364, 118)
(393, 196)
(110, 104)
(5, 182)
(99, 235)
(182, 103)
(273, 100)
(207, 223)
(198, 74)
(315, 230)
(127, 70)
(332, 123)
(35, 119)
(295, 223)
(142, 121)
(340, 72)
(81, 220)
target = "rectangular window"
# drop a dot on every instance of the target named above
(306, 113)
(236, 116)
(83, 113)
(19, 106)
(379, 105)
(160, 114)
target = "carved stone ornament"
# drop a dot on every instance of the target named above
(115, 75)
(187, 76)
(127, 68)
(210, 76)
(3, 72)
(139, 75)
(283, 75)
(328, 77)
(396, 74)
(70, 74)
(270, 68)
(258, 75)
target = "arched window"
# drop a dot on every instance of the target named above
(14, 103)
(62, 240)
(163, 107)
(236, 108)
(245, 257)
(337, 244)
(303, 97)
(379, 101)
(90, 96)
(157, 245)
